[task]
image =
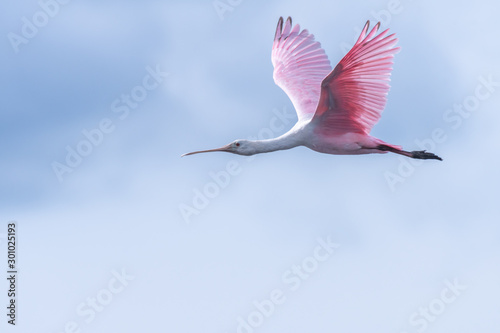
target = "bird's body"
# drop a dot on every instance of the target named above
(303, 134)
(336, 108)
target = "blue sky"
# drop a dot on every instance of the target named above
(131, 237)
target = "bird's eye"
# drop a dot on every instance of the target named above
(237, 144)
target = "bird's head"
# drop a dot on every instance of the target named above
(240, 147)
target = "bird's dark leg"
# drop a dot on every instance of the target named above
(419, 154)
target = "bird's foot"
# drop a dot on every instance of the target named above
(423, 155)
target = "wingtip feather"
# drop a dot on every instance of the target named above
(363, 32)
(287, 27)
(279, 27)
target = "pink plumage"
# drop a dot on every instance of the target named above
(337, 108)
(358, 86)
(300, 64)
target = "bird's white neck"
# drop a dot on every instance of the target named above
(286, 141)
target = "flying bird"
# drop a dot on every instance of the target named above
(336, 108)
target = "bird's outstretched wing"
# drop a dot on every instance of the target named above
(300, 64)
(354, 94)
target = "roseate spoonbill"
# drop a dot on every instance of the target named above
(336, 108)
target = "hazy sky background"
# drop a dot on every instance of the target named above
(404, 232)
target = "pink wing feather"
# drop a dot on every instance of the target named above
(354, 94)
(300, 65)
